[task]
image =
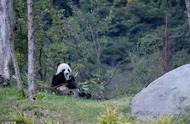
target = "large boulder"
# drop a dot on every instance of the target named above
(169, 94)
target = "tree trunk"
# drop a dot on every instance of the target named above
(7, 52)
(166, 49)
(187, 2)
(31, 52)
(12, 48)
(6, 25)
(16, 68)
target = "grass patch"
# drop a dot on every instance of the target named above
(53, 109)
(49, 107)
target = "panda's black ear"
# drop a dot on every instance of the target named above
(69, 64)
(58, 64)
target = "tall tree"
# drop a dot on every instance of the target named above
(7, 52)
(31, 52)
(11, 27)
(187, 2)
(166, 58)
(6, 16)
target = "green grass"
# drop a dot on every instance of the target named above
(53, 109)
(56, 108)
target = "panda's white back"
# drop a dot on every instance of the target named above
(63, 66)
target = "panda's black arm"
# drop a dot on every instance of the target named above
(58, 79)
(71, 85)
(71, 79)
(54, 81)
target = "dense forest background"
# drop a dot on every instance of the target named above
(117, 46)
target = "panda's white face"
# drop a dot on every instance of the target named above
(65, 68)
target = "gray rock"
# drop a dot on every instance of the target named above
(168, 94)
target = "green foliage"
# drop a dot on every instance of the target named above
(164, 120)
(176, 120)
(41, 96)
(96, 87)
(144, 71)
(22, 117)
(180, 58)
(21, 95)
(97, 36)
(111, 116)
(150, 43)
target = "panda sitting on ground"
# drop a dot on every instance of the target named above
(65, 82)
(63, 76)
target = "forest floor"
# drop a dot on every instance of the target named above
(50, 108)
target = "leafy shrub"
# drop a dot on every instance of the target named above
(41, 96)
(114, 116)
(164, 120)
(22, 117)
(111, 116)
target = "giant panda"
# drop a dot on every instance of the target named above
(64, 82)
(63, 76)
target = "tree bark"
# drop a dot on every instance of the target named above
(16, 68)
(187, 2)
(12, 48)
(7, 52)
(31, 52)
(6, 16)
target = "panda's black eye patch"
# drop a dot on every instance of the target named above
(69, 70)
(63, 70)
